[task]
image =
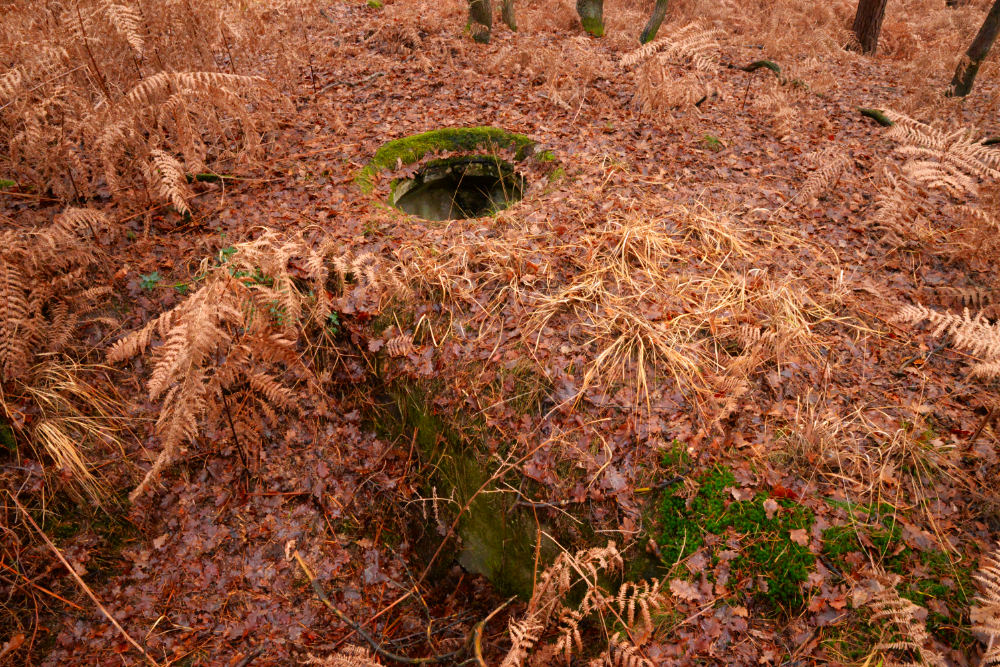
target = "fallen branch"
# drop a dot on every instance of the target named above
(477, 634)
(877, 115)
(83, 585)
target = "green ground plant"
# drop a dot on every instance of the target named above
(767, 552)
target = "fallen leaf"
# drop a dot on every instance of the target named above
(685, 590)
(770, 507)
(799, 536)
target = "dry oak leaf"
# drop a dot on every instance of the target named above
(685, 590)
(799, 536)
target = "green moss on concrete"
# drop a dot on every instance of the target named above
(767, 551)
(410, 149)
(497, 539)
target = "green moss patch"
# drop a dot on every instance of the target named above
(871, 528)
(767, 552)
(4, 183)
(408, 150)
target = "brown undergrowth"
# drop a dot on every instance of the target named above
(644, 294)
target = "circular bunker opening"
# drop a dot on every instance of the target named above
(457, 188)
(456, 172)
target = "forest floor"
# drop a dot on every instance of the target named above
(851, 430)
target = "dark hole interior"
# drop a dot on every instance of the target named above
(456, 189)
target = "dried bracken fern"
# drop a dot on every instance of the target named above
(44, 307)
(400, 346)
(830, 165)
(985, 613)
(235, 341)
(692, 44)
(566, 72)
(904, 638)
(974, 334)
(632, 607)
(349, 656)
(671, 70)
(168, 175)
(951, 161)
(82, 105)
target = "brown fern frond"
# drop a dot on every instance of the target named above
(623, 653)
(978, 298)
(692, 43)
(234, 339)
(831, 165)
(10, 84)
(951, 161)
(168, 175)
(985, 613)
(276, 393)
(973, 334)
(14, 319)
(138, 341)
(128, 22)
(400, 346)
(75, 223)
(349, 656)
(547, 606)
(904, 637)
(163, 84)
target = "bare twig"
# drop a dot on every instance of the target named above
(477, 633)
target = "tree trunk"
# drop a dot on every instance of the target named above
(507, 13)
(965, 75)
(481, 20)
(591, 16)
(868, 24)
(659, 12)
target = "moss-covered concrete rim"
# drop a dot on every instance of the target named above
(475, 164)
(408, 150)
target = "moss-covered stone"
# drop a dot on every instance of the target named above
(497, 539)
(468, 139)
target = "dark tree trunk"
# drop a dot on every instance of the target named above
(481, 20)
(508, 14)
(591, 16)
(965, 75)
(868, 24)
(659, 12)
